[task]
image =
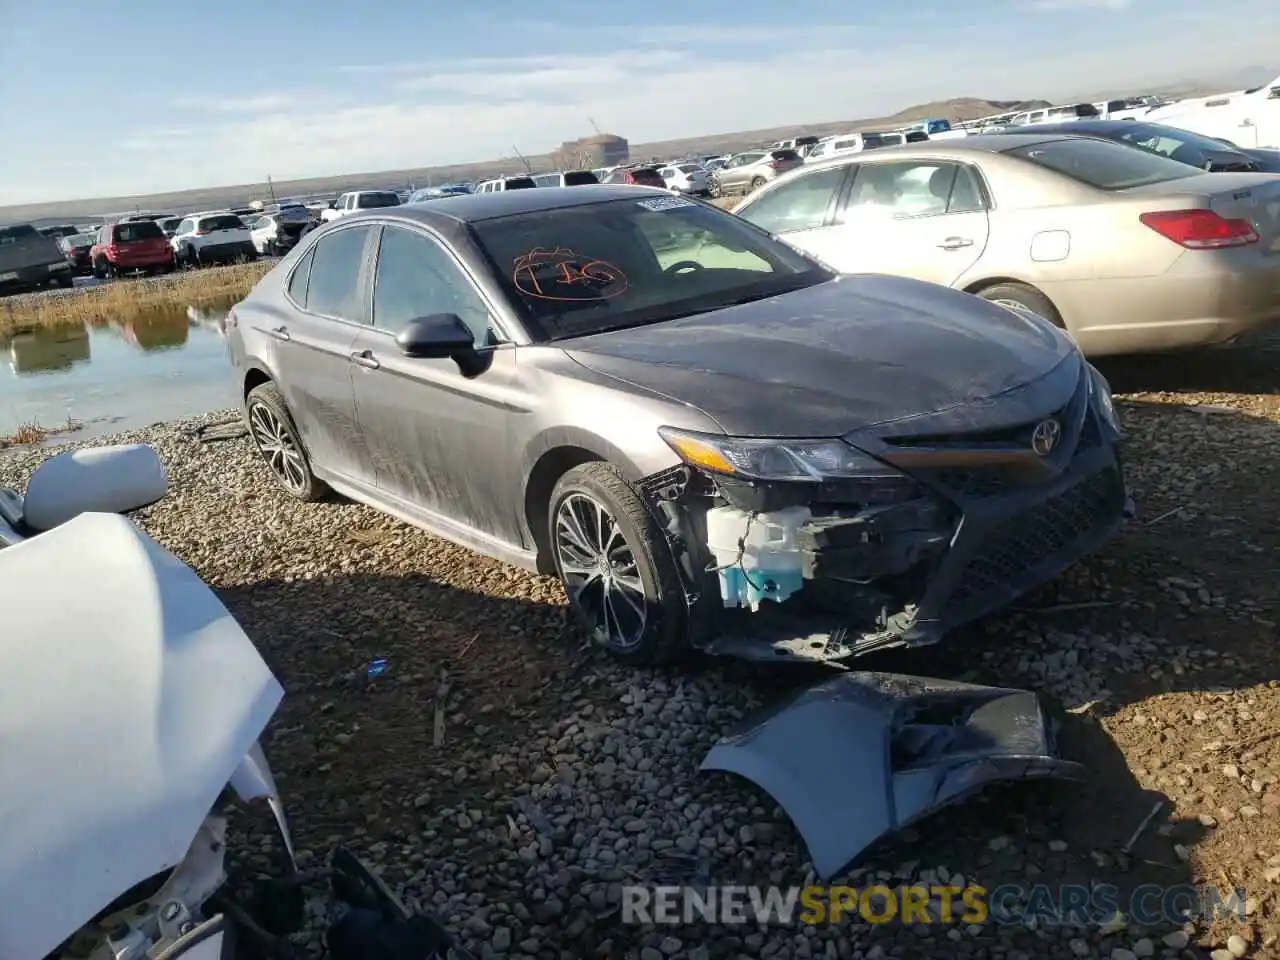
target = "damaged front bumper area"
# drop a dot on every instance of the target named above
(976, 517)
(861, 755)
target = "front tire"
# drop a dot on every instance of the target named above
(616, 567)
(276, 436)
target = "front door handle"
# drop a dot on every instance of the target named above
(365, 358)
(955, 243)
(280, 333)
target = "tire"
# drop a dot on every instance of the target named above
(192, 257)
(652, 626)
(757, 183)
(1019, 296)
(274, 433)
(66, 281)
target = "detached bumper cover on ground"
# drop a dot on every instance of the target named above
(861, 755)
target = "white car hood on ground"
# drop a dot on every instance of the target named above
(129, 698)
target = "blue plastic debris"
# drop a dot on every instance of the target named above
(377, 668)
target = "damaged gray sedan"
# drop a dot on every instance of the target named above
(713, 440)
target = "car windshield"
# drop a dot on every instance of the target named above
(588, 268)
(520, 183)
(580, 178)
(226, 221)
(1170, 140)
(80, 240)
(137, 230)
(369, 201)
(1102, 163)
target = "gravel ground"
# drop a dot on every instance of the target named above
(510, 779)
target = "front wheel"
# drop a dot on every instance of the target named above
(616, 567)
(274, 434)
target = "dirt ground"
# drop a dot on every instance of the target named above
(510, 779)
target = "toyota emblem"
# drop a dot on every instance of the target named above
(1045, 437)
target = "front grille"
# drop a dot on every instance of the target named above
(1024, 540)
(969, 482)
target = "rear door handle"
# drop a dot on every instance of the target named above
(955, 243)
(280, 333)
(365, 358)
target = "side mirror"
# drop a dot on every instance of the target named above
(438, 336)
(113, 479)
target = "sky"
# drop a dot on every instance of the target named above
(148, 96)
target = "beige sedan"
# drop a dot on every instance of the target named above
(1128, 251)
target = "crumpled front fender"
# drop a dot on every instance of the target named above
(863, 754)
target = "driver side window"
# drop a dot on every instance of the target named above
(416, 277)
(802, 204)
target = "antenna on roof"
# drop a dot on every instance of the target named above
(595, 126)
(527, 168)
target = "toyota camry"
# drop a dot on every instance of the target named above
(713, 440)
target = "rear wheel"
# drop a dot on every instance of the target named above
(616, 567)
(757, 183)
(274, 434)
(1021, 298)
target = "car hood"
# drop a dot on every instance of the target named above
(831, 358)
(131, 699)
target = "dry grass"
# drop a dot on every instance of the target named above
(33, 432)
(124, 299)
(726, 203)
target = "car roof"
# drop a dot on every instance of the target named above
(948, 149)
(474, 207)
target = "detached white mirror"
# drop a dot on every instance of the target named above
(113, 479)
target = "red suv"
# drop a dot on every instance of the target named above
(131, 245)
(638, 176)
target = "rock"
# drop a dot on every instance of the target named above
(671, 946)
(1176, 940)
(1058, 846)
(1238, 945)
(501, 941)
(1143, 948)
(1080, 947)
(1120, 953)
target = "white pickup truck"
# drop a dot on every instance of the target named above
(1247, 118)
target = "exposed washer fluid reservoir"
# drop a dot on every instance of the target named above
(757, 554)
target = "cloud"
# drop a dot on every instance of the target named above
(386, 116)
(258, 104)
(1060, 6)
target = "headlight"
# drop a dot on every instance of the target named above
(764, 459)
(1102, 394)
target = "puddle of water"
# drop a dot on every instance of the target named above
(116, 377)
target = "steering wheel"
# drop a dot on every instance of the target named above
(681, 266)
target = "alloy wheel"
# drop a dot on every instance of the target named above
(1016, 307)
(600, 571)
(278, 448)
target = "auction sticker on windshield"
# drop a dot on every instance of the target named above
(666, 203)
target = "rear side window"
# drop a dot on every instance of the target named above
(372, 201)
(23, 231)
(520, 183)
(580, 178)
(334, 287)
(301, 274)
(224, 222)
(648, 178)
(1103, 164)
(138, 230)
(785, 155)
